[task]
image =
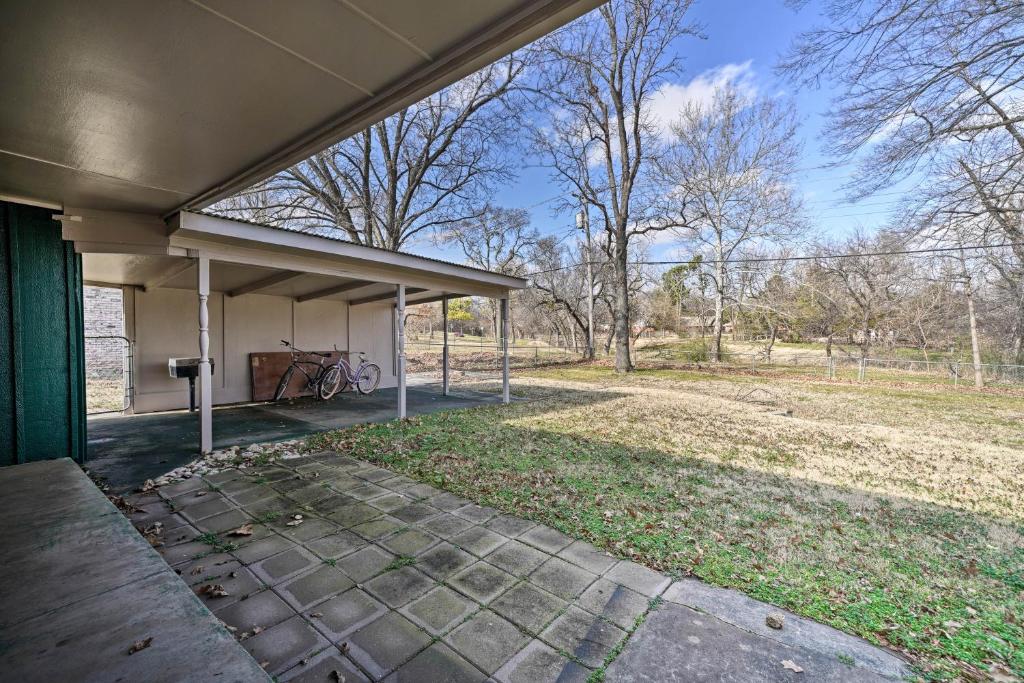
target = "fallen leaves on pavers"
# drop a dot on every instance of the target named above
(153, 533)
(147, 486)
(792, 666)
(256, 630)
(296, 520)
(139, 645)
(123, 505)
(212, 590)
(244, 530)
(774, 620)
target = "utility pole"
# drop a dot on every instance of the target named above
(583, 223)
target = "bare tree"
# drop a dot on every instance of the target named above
(424, 168)
(497, 240)
(601, 74)
(730, 169)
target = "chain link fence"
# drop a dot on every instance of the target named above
(108, 374)
(942, 371)
(484, 356)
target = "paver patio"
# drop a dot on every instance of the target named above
(384, 577)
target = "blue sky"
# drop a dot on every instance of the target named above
(743, 41)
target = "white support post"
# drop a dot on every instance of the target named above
(444, 349)
(400, 312)
(205, 374)
(506, 395)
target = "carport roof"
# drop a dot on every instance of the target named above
(157, 107)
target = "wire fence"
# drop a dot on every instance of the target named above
(108, 374)
(484, 355)
(942, 371)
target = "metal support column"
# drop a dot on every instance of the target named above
(400, 312)
(205, 374)
(506, 395)
(444, 350)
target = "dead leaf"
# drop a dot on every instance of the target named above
(264, 664)
(213, 590)
(792, 666)
(317, 615)
(774, 620)
(337, 676)
(196, 571)
(344, 648)
(139, 645)
(244, 530)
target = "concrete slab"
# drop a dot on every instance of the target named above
(482, 582)
(437, 663)
(127, 450)
(677, 643)
(539, 663)
(587, 638)
(736, 608)
(315, 586)
(386, 644)
(439, 610)
(74, 577)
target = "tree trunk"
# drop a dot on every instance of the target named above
(979, 379)
(716, 342)
(621, 312)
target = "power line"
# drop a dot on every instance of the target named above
(815, 257)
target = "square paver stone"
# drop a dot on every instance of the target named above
(615, 603)
(482, 582)
(539, 663)
(415, 512)
(372, 473)
(443, 560)
(582, 554)
(529, 607)
(562, 578)
(263, 548)
(583, 635)
(390, 502)
(399, 586)
(487, 640)
(437, 663)
(283, 646)
(366, 492)
(321, 668)
(445, 525)
(421, 491)
(639, 578)
(263, 610)
(331, 504)
(207, 568)
(448, 502)
(236, 585)
(283, 566)
(475, 513)
(409, 542)
(510, 526)
(341, 615)
(311, 528)
(439, 610)
(314, 586)
(225, 521)
(547, 539)
(310, 493)
(366, 563)
(517, 558)
(336, 545)
(386, 644)
(377, 528)
(478, 540)
(353, 514)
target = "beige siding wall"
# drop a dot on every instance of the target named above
(166, 325)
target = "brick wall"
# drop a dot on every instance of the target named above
(104, 317)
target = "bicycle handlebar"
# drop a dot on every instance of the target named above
(308, 353)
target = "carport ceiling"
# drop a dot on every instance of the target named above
(165, 105)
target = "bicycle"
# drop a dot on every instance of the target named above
(339, 376)
(326, 381)
(313, 381)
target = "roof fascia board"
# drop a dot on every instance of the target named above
(202, 226)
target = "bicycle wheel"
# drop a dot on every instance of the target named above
(282, 384)
(331, 383)
(368, 379)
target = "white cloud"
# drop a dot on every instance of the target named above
(672, 98)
